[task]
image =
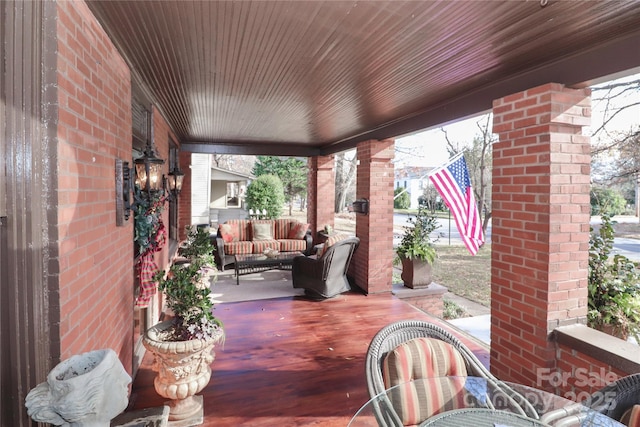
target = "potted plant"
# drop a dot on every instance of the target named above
(183, 346)
(198, 246)
(416, 250)
(614, 287)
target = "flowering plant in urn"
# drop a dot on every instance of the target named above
(183, 346)
(189, 298)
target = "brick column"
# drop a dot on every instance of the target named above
(321, 193)
(373, 261)
(540, 233)
(184, 199)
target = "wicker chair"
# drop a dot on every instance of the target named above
(395, 334)
(615, 399)
(325, 277)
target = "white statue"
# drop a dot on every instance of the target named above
(86, 390)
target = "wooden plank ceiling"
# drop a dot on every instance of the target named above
(315, 77)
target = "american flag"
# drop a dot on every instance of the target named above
(453, 183)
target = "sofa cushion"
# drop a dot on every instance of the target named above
(332, 240)
(282, 227)
(259, 246)
(229, 232)
(262, 231)
(244, 228)
(238, 248)
(298, 230)
(292, 245)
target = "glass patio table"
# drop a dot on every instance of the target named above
(474, 402)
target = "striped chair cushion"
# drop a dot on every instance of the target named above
(440, 394)
(425, 358)
(631, 417)
(333, 239)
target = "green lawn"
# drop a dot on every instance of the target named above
(463, 274)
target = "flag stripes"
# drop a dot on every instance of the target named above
(454, 185)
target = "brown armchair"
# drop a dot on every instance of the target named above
(326, 276)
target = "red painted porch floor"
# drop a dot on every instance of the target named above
(293, 362)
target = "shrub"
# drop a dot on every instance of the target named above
(266, 193)
(403, 201)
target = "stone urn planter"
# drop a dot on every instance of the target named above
(416, 273)
(184, 369)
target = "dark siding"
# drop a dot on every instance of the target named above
(28, 240)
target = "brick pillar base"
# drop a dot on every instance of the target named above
(540, 233)
(321, 193)
(373, 261)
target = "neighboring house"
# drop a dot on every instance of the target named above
(414, 180)
(222, 198)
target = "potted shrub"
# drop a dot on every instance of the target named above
(199, 246)
(416, 250)
(614, 287)
(183, 346)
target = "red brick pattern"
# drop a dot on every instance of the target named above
(540, 233)
(184, 200)
(577, 375)
(321, 193)
(94, 128)
(373, 261)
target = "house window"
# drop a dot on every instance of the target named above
(405, 184)
(233, 194)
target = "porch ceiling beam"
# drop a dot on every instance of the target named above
(579, 70)
(258, 148)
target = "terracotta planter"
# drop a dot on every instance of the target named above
(416, 273)
(184, 369)
(614, 331)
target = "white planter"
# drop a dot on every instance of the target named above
(184, 369)
(86, 390)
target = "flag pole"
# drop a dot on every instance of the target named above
(447, 163)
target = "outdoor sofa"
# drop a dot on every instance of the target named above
(248, 236)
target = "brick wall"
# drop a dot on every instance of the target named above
(321, 193)
(373, 261)
(578, 375)
(94, 128)
(184, 200)
(540, 232)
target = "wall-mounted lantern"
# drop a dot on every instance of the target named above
(175, 179)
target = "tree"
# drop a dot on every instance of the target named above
(291, 171)
(346, 166)
(430, 198)
(607, 201)
(401, 199)
(266, 193)
(241, 164)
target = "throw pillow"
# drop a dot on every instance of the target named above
(229, 232)
(262, 231)
(298, 230)
(332, 240)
